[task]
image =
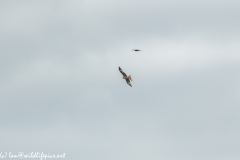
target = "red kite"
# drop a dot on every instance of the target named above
(136, 50)
(128, 78)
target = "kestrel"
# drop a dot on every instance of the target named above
(127, 78)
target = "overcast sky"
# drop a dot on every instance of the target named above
(61, 91)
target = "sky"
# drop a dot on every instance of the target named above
(61, 90)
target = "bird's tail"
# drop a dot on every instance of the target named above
(129, 77)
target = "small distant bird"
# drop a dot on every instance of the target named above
(136, 50)
(128, 78)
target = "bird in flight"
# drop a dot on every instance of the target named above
(127, 78)
(136, 50)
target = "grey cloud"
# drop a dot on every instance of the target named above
(61, 90)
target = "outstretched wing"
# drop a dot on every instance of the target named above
(122, 72)
(128, 82)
